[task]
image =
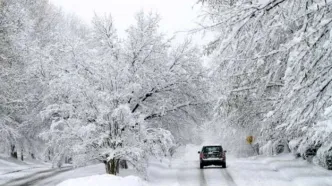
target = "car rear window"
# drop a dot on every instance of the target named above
(208, 149)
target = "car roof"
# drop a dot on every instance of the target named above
(212, 146)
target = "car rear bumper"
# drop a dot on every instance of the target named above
(214, 161)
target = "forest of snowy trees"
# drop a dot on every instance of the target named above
(71, 92)
(272, 69)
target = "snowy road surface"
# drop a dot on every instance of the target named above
(183, 170)
(33, 177)
(187, 173)
(51, 177)
(242, 172)
(283, 170)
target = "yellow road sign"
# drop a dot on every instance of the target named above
(250, 139)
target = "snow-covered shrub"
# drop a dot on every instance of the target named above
(322, 132)
(316, 144)
(280, 146)
(324, 156)
(267, 149)
(274, 147)
(294, 146)
(309, 149)
(160, 142)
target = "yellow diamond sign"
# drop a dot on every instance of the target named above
(250, 139)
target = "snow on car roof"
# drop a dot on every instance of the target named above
(211, 145)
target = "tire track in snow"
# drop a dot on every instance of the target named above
(33, 178)
(27, 176)
(22, 170)
(35, 181)
(228, 177)
(202, 181)
(218, 176)
(189, 174)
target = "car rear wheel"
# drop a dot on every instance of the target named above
(201, 166)
(223, 165)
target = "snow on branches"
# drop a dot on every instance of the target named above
(87, 94)
(274, 59)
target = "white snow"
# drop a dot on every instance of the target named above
(90, 170)
(104, 180)
(8, 165)
(282, 170)
(11, 168)
(183, 170)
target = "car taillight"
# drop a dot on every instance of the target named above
(222, 154)
(201, 156)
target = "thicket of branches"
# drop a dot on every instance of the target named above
(79, 92)
(273, 67)
(70, 91)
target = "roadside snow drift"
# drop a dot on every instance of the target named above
(104, 180)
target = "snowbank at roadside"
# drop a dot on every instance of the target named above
(104, 180)
(283, 169)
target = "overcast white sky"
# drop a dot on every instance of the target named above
(177, 15)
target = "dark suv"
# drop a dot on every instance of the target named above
(212, 155)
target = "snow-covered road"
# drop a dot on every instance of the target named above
(187, 173)
(183, 170)
(283, 170)
(277, 171)
(33, 176)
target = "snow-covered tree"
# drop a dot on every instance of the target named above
(71, 91)
(273, 63)
(18, 86)
(109, 101)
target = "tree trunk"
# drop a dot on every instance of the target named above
(117, 167)
(49, 155)
(113, 166)
(107, 167)
(68, 160)
(123, 164)
(13, 152)
(22, 158)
